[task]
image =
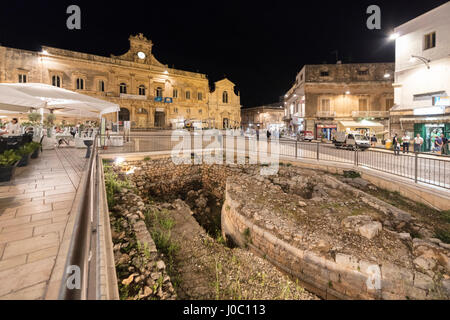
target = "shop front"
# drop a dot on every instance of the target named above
(363, 127)
(325, 131)
(429, 132)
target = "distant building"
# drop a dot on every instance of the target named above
(150, 94)
(330, 97)
(265, 117)
(422, 76)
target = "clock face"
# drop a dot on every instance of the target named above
(141, 55)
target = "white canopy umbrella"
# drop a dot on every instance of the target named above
(58, 98)
(13, 100)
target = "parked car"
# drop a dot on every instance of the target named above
(305, 136)
(351, 141)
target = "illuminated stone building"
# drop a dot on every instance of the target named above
(150, 94)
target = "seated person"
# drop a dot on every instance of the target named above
(13, 128)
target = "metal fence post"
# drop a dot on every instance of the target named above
(356, 157)
(416, 161)
(296, 148)
(318, 155)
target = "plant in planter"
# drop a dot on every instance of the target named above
(34, 117)
(8, 162)
(49, 122)
(25, 153)
(36, 146)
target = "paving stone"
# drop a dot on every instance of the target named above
(30, 245)
(42, 254)
(35, 292)
(13, 262)
(25, 275)
(17, 235)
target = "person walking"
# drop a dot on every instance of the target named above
(418, 142)
(405, 141)
(438, 144)
(396, 144)
(444, 144)
(268, 134)
(373, 141)
(257, 133)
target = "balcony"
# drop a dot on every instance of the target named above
(370, 114)
(132, 96)
(326, 114)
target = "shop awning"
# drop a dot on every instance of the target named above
(12, 100)
(425, 119)
(57, 98)
(362, 124)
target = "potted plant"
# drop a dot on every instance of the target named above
(25, 153)
(36, 146)
(8, 163)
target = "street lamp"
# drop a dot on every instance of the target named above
(424, 60)
(394, 36)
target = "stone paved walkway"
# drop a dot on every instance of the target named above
(34, 210)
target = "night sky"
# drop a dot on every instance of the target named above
(258, 45)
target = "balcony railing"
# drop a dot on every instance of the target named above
(326, 114)
(372, 114)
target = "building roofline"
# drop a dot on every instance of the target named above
(422, 16)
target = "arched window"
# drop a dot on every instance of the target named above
(80, 84)
(141, 90)
(159, 92)
(225, 97)
(188, 95)
(56, 81)
(123, 88)
(101, 86)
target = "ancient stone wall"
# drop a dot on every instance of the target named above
(344, 277)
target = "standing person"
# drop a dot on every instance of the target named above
(438, 144)
(405, 140)
(444, 144)
(418, 142)
(268, 134)
(396, 145)
(373, 141)
(433, 142)
(13, 127)
(257, 133)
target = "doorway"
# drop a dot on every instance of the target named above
(124, 115)
(160, 119)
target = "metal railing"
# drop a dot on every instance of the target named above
(419, 167)
(82, 252)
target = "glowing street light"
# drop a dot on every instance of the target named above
(44, 52)
(347, 92)
(387, 75)
(394, 36)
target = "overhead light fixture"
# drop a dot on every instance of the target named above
(394, 36)
(347, 92)
(387, 75)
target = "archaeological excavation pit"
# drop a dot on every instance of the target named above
(300, 229)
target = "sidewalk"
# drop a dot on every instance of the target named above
(34, 210)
